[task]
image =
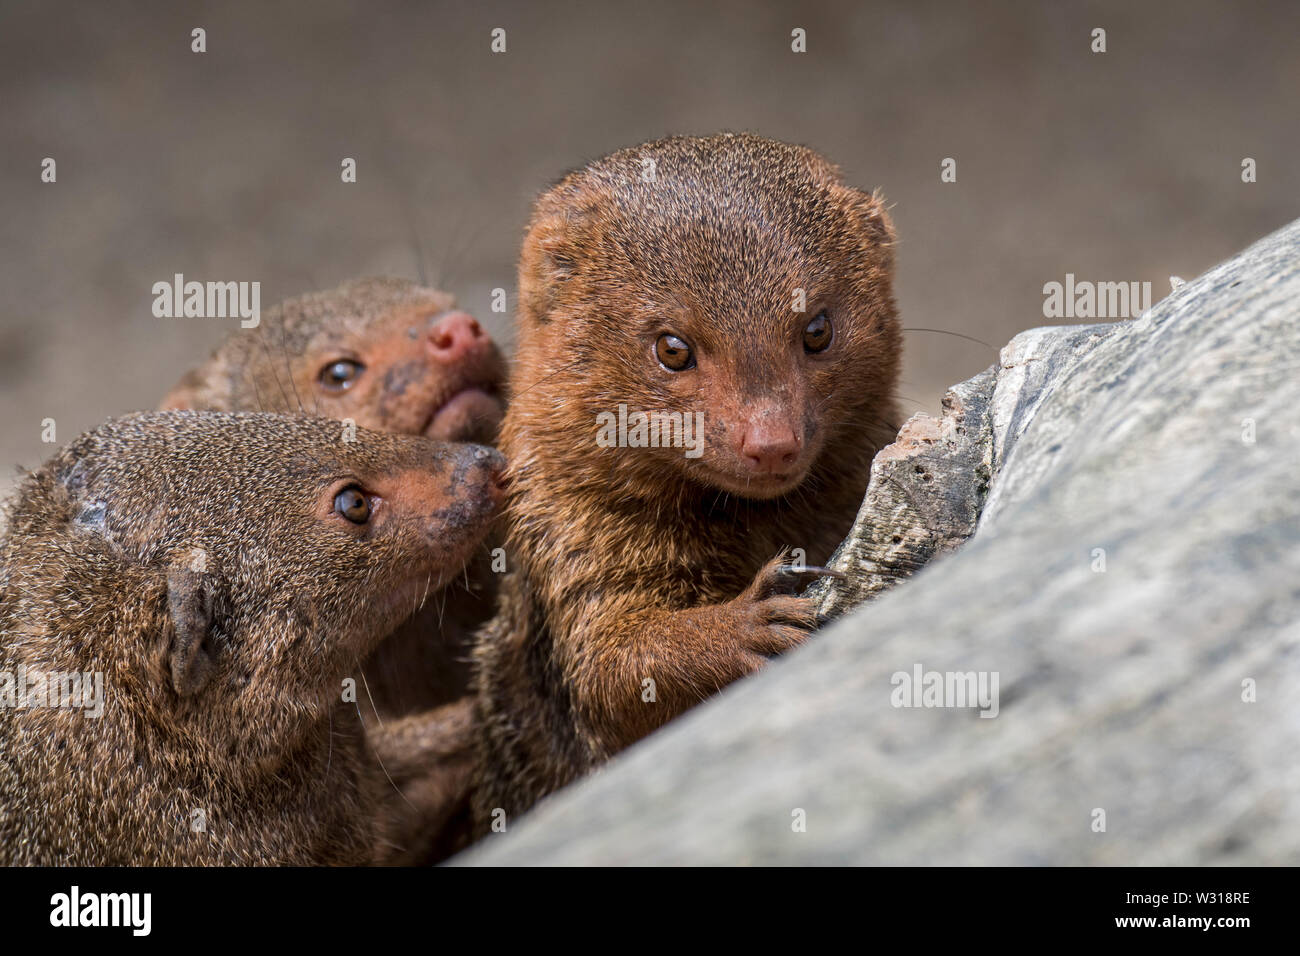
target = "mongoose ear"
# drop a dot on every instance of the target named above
(868, 209)
(547, 262)
(189, 601)
(559, 236)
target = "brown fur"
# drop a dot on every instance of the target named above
(387, 325)
(223, 676)
(430, 759)
(639, 563)
(384, 324)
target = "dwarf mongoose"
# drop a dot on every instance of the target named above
(737, 284)
(220, 578)
(393, 356)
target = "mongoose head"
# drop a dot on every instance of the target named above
(227, 572)
(386, 353)
(728, 275)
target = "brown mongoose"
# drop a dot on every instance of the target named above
(393, 356)
(223, 575)
(729, 276)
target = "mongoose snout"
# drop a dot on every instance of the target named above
(437, 498)
(451, 496)
(769, 447)
(469, 405)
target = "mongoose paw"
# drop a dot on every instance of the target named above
(776, 618)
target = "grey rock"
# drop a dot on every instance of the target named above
(1134, 581)
(929, 488)
(924, 499)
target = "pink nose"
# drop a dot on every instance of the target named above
(769, 448)
(454, 336)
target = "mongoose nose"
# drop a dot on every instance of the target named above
(495, 463)
(454, 336)
(769, 448)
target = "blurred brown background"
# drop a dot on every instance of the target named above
(225, 165)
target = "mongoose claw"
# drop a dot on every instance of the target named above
(794, 578)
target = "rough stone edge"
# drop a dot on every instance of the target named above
(923, 500)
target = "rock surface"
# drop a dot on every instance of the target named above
(929, 488)
(924, 499)
(1134, 583)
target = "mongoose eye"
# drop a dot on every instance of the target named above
(353, 505)
(341, 374)
(674, 354)
(818, 333)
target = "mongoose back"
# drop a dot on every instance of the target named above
(735, 283)
(222, 574)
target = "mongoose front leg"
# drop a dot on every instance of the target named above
(636, 670)
(428, 760)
